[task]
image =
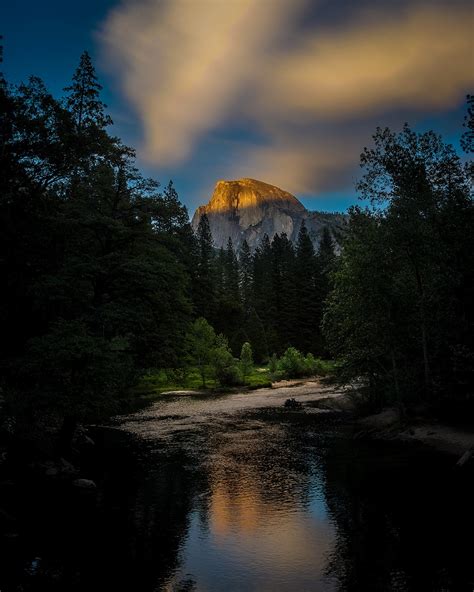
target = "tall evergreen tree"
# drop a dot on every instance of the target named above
(83, 99)
(229, 312)
(245, 266)
(467, 139)
(231, 281)
(325, 266)
(284, 301)
(205, 290)
(307, 283)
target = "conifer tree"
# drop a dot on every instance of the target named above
(175, 216)
(325, 262)
(245, 266)
(285, 302)
(467, 139)
(205, 291)
(229, 313)
(83, 99)
(231, 271)
(307, 289)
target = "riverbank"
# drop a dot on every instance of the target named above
(388, 425)
(420, 428)
(319, 394)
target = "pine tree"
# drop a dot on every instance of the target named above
(229, 310)
(285, 303)
(83, 99)
(467, 139)
(231, 273)
(245, 266)
(205, 290)
(325, 265)
(174, 215)
(307, 283)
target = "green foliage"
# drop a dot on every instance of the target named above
(211, 354)
(91, 254)
(201, 341)
(224, 365)
(155, 382)
(246, 360)
(403, 287)
(205, 276)
(292, 363)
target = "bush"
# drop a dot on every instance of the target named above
(225, 366)
(229, 376)
(312, 365)
(292, 364)
(246, 360)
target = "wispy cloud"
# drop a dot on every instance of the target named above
(184, 63)
(191, 66)
(421, 58)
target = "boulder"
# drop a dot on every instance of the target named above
(84, 484)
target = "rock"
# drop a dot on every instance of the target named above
(81, 438)
(66, 468)
(49, 468)
(248, 209)
(84, 483)
(293, 404)
(385, 419)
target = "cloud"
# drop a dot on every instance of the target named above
(190, 67)
(183, 63)
(302, 165)
(421, 59)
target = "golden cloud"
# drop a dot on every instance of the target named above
(183, 63)
(190, 66)
(421, 59)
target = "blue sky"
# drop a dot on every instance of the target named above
(285, 91)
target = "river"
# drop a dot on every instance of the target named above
(233, 493)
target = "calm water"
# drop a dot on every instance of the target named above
(223, 494)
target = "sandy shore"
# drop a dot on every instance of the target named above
(386, 425)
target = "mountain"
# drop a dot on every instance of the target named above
(249, 209)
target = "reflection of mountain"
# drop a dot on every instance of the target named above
(249, 209)
(264, 525)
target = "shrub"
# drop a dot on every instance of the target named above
(292, 364)
(224, 364)
(312, 365)
(246, 360)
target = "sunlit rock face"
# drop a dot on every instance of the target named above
(249, 209)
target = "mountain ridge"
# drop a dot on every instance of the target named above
(247, 209)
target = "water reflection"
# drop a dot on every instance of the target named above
(292, 503)
(263, 522)
(221, 495)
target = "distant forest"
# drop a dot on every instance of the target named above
(103, 276)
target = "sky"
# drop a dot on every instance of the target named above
(284, 91)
